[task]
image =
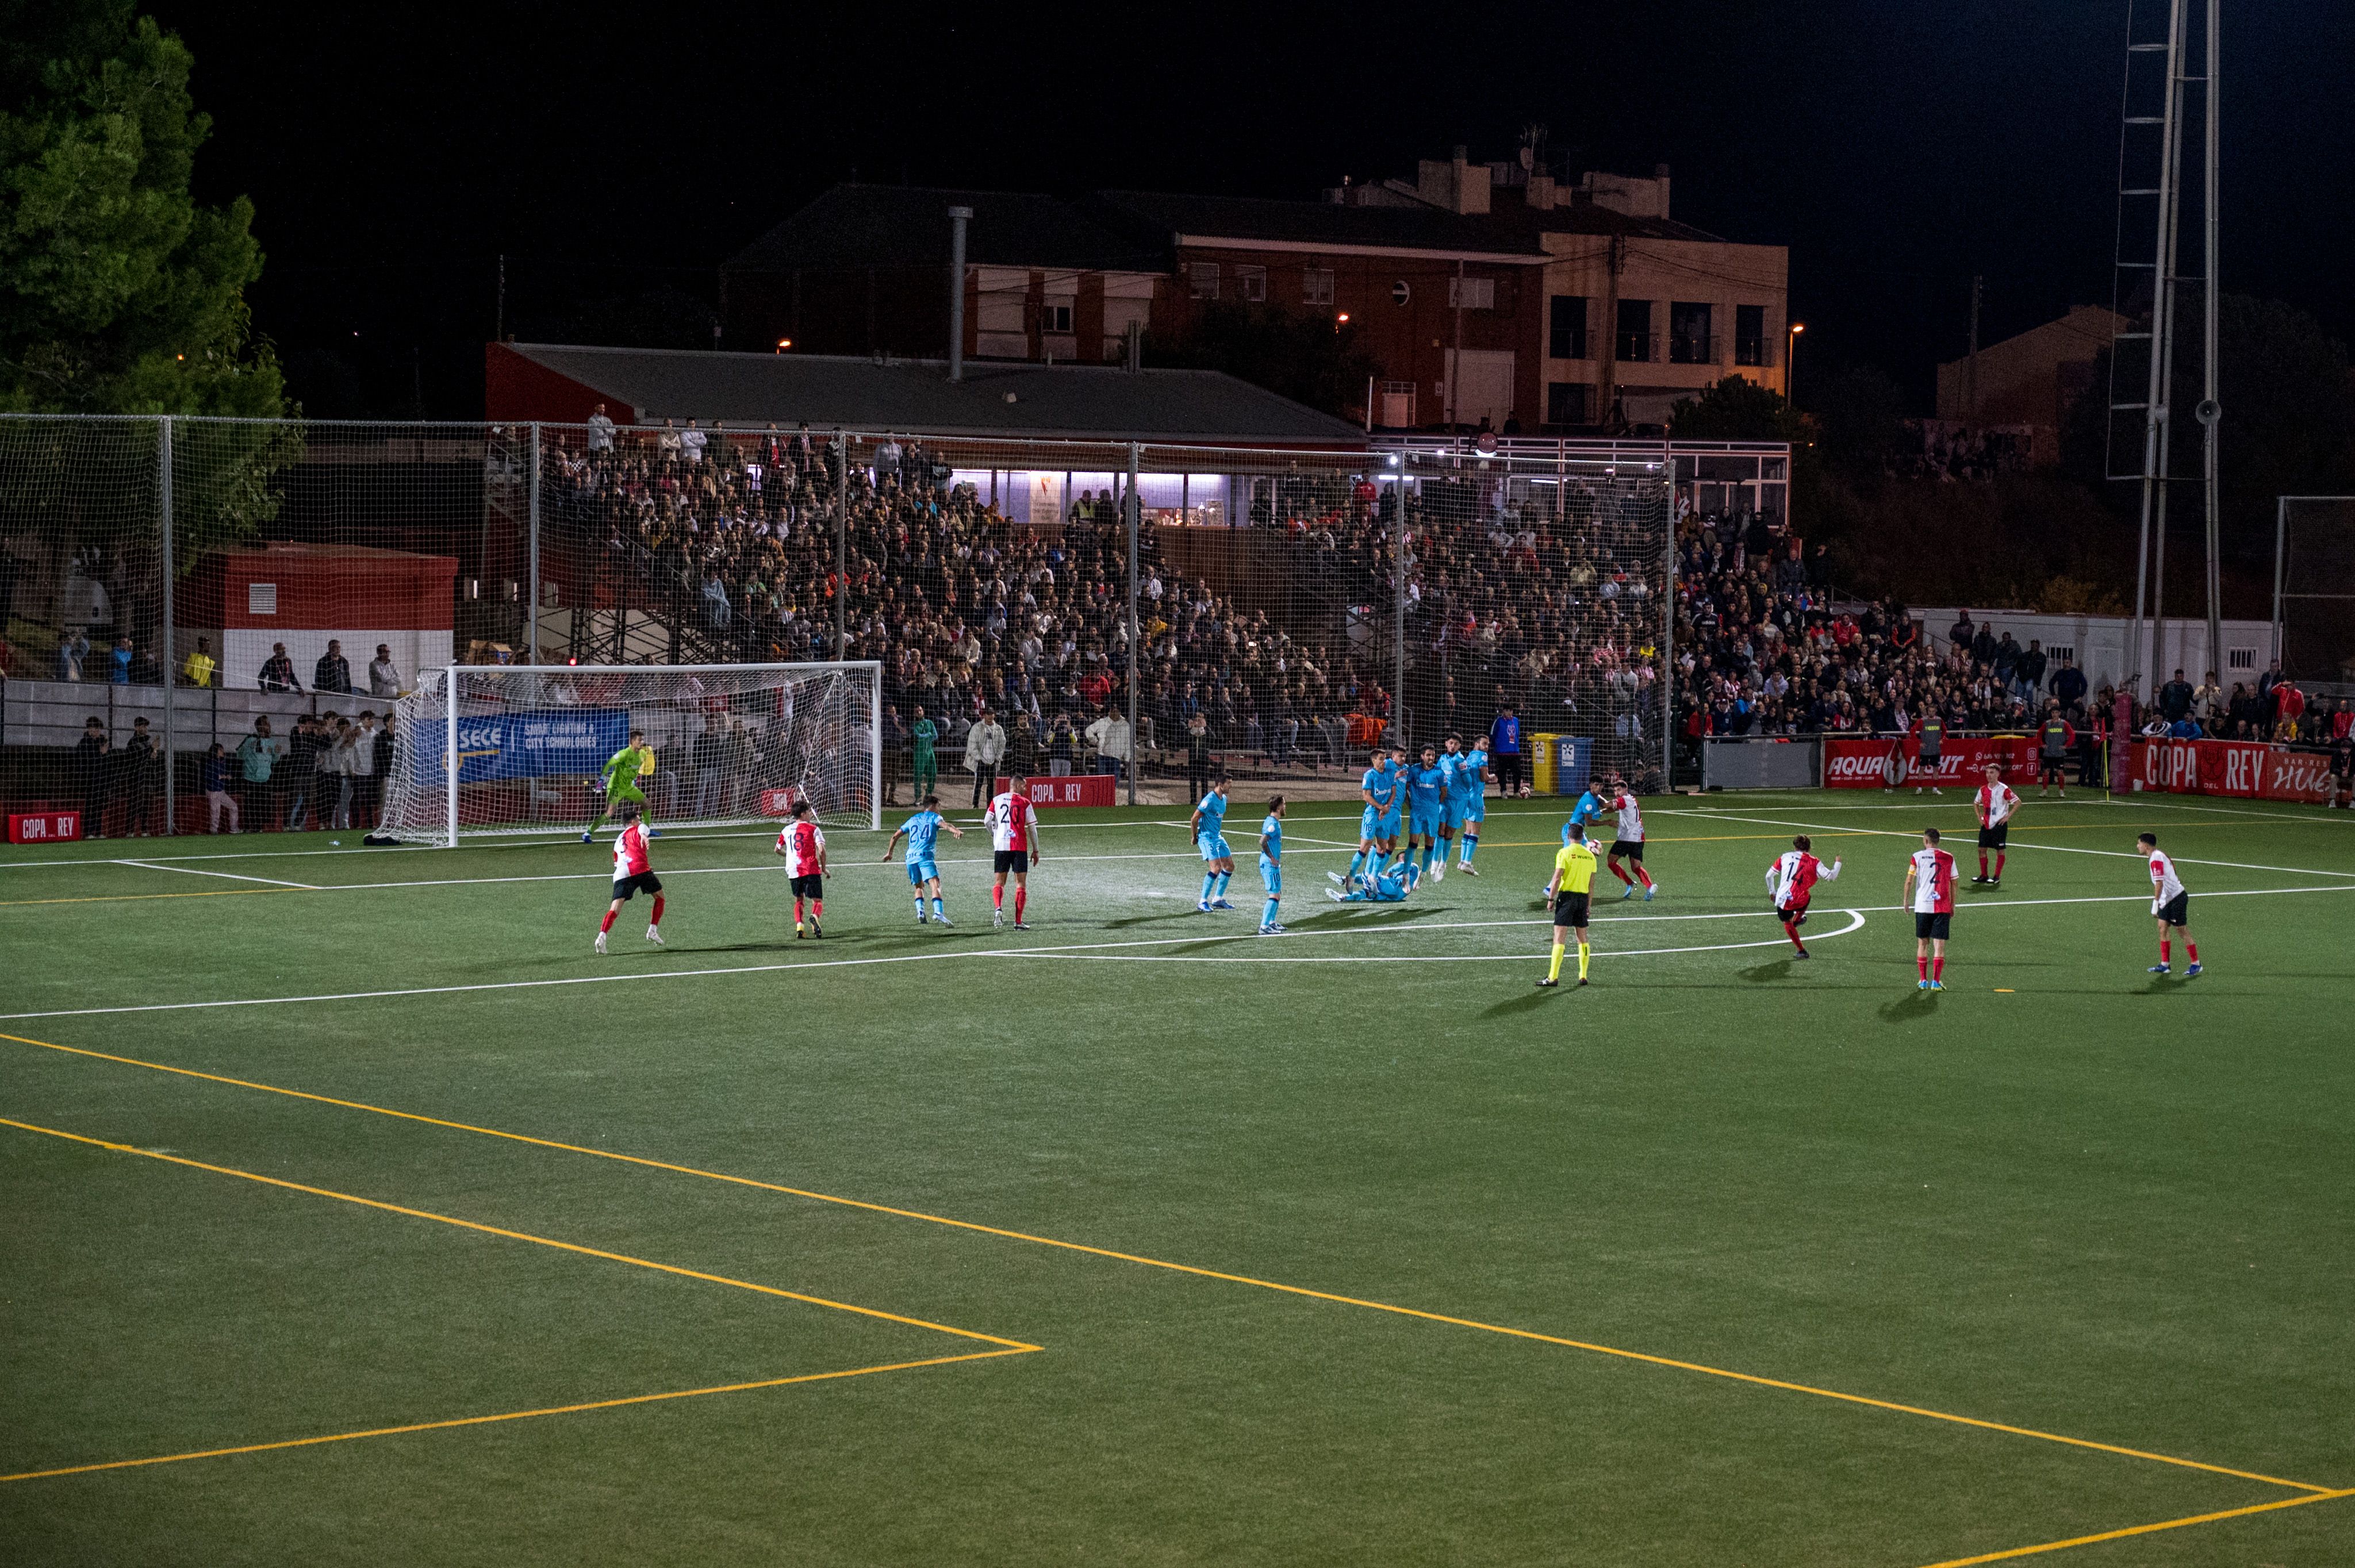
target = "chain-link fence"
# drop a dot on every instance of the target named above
(2314, 588)
(1154, 613)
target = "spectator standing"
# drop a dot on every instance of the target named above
(1110, 737)
(344, 762)
(2175, 698)
(2069, 683)
(257, 757)
(384, 675)
(72, 648)
(217, 799)
(381, 771)
(334, 671)
(2208, 702)
(277, 675)
(118, 663)
(984, 745)
(709, 758)
(691, 442)
(1505, 750)
(601, 430)
(304, 743)
(895, 736)
(93, 765)
(197, 670)
(143, 776)
(1197, 757)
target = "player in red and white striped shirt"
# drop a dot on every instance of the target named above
(802, 843)
(1013, 824)
(1629, 844)
(1995, 800)
(1930, 889)
(1791, 883)
(2170, 905)
(633, 873)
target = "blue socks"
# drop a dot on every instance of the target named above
(1221, 890)
(1471, 842)
(1267, 916)
(937, 910)
(1210, 880)
(1357, 863)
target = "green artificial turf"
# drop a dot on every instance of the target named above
(2064, 1196)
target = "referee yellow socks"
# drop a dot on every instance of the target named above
(1584, 953)
(1554, 973)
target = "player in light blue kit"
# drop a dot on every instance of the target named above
(1209, 826)
(1379, 791)
(922, 832)
(1426, 797)
(1271, 864)
(1381, 887)
(1473, 779)
(1451, 803)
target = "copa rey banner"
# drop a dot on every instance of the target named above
(535, 743)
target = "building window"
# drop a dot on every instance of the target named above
(1636, 339)
(1689, 342)
(1202, 279)
(1479, 293)
(1251, 284)
(1749, 334)
(2239, 658)
(1316, 285)
(1570, 402)
(1055, 316)
(1566, 330)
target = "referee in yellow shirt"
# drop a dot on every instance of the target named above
(1574, 878)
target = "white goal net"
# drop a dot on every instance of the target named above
(722, 744)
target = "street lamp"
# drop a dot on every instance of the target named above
(1791, 362)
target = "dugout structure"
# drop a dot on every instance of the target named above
(520, 749)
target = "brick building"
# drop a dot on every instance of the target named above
(1576, 304)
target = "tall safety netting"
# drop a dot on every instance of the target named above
(541, 750)
(2315, 597)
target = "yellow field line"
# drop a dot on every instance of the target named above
(510, 1415)
(1181, 1268)
(517, 1235)
(2139, 1530)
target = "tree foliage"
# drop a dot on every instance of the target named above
(119, 294)
(1304, 358)
(1737, 410)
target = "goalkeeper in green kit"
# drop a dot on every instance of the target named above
(621, 774)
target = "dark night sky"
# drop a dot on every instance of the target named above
(393, 152)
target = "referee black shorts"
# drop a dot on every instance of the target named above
(1570, 909)
(1994, 837)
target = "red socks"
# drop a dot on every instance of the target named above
(1793, 932)
(2166, 951)
(997, 897)
(1922, 965)
(797, 911)
(609, 920)
(1938, 970)
(1022, 897)
(1999, 865)
(2191, 950)
(817, 908)
(1645, 875)
(1621, 875)
(655, 917)
(1983, 865)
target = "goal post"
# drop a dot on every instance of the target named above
(519, 750)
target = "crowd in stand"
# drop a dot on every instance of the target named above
(328, 771)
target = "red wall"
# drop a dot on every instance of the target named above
(330, 587)
(518, 388)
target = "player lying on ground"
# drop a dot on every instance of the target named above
(1930, 891)
(1381, 887)
(2170, 905)
(1569, 891)
(1013, 824)
(1208, 827)
(621, 773)
(802, 843)
(1791, 882)
(922, 831)
(1995, 800)
(1271, 864)
(633, 873)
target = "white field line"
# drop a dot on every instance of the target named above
(1855, 923)
(1066, 951)
(197, 871)
(2023, 843)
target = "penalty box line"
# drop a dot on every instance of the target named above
(1080, 949)
(1005, 1347)
(1198, 1272)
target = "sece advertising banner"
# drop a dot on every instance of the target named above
(537, 742)
(1863, 763)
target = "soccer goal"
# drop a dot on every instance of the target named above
(725, 745)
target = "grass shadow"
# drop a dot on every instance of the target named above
(1761, 974)
(1907, 1009)
(1527, 1001)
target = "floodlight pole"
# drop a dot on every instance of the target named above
(1135, 660)
(2211, 410)
(164, 509)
